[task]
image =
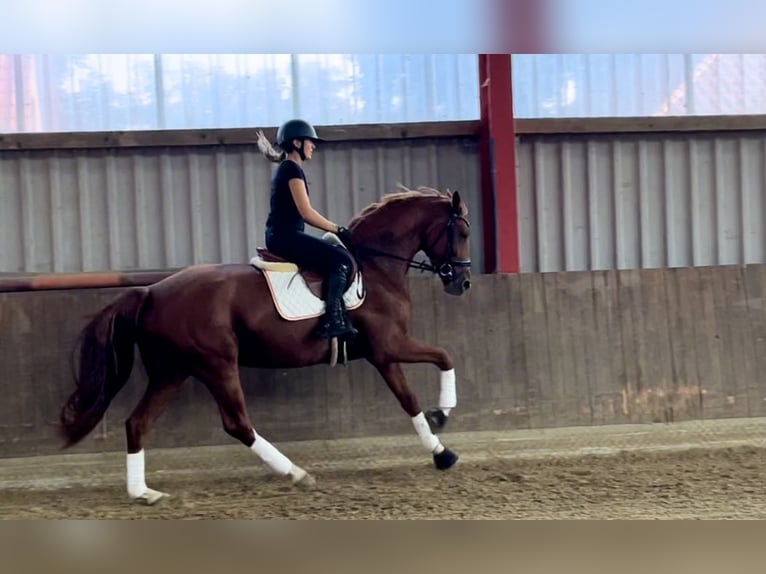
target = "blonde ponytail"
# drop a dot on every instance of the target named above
(268, 150)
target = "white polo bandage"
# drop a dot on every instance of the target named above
(447, 394)
(269, 454)
(136, 474)
(427, 438)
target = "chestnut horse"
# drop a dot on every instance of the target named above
(206, 320)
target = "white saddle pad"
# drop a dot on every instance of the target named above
(292, 296)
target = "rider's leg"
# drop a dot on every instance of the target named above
(335, 321)
(333, 262)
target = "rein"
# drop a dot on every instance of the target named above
(411, 263)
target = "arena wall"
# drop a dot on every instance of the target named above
(535, 350)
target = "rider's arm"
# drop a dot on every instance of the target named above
(308, 213)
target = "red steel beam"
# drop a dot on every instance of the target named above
(498, 159)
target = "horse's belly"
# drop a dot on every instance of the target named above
(282, 350)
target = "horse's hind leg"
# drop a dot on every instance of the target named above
(226, 389)
(162, 388)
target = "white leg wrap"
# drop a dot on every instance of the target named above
(269, 454)
(448, 394)
(429, 439)
(136, 474)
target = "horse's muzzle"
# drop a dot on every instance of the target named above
(459, 284)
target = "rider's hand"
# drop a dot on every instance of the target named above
(345, 236)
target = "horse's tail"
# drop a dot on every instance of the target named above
(106, 359)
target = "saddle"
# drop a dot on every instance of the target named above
(271, 262)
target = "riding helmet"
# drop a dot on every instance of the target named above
(296, 129)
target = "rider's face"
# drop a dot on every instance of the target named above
(308, 147)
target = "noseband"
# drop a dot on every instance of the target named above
(446, 268)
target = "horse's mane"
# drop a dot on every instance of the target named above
(405, 194)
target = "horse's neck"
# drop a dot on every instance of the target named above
(402, 243)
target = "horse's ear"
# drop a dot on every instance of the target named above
(456, 202)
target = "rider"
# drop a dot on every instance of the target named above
(285, 226)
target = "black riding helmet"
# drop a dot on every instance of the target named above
(296, 130)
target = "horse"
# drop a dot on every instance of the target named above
(206, 320)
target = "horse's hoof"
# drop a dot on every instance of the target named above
(445, 459)
(308, 482)
(436, 419)
(150, 497)
(303, 480)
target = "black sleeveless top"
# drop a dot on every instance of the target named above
(284, 214)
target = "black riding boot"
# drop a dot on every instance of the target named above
(335, 322)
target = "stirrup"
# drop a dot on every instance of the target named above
(331, 329)
(334, 352)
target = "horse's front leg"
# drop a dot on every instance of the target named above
(408, 350)
(394, 376)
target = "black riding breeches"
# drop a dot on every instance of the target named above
(307, 251)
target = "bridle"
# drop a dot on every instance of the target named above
(446, 268)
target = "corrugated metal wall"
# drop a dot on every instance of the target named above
(152, 208)
(587, 202)
(639, 201)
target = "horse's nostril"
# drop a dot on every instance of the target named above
(466, 284)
